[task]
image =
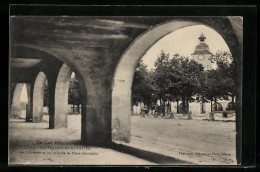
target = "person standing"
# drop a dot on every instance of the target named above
(142, 108)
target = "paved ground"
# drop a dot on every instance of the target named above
(36, 144)
(199, 141)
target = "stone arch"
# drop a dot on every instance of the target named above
(61, 96)
(38, 92)
(64, 57)
(15, 104)
(217, 107)
(124, 72)
(84, 82)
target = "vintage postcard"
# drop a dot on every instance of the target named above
(125, 90)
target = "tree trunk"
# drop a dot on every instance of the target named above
(202, 105)
(177, 106)
(78, 109)
(169, 109)
(183, 105)
(132, 108)
(73, 108)
(232, 98)
(216, 104)
(163, 108)
(188, 109)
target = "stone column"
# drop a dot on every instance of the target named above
(96, 120)
(121, 111)
(61, 97)
(211, 116)
(96, 111)
(237, 53)
(38, 92)
(11, 94)
(29, 105)
(51, 86)
(202, 108)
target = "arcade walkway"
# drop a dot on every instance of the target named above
(187, 140)
(31, 142)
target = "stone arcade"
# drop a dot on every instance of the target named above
(103, 52)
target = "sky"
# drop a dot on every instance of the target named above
(183, 42)
(72, 75)
(24, 97)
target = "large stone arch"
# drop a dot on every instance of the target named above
(15, 104)
(38, 92)
(124, 72)
(61, 96)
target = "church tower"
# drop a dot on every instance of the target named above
(202, 54)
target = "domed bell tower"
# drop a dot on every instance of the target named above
(202, 54)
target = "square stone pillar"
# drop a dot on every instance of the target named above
(29, 105)
(121, 113)
(96, 121)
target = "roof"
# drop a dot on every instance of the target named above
(202, 48)
(201, 52)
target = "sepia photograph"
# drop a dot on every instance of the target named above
(125, 90)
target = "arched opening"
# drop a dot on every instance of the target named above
(53, 67)
(50, 80)
(68, 101)
(124, 73)
(122, 92)
(19, 95)
(74, 103)
(24, 101)
(38, 97)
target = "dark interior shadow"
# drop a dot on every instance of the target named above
(220, 120)
(149, 156)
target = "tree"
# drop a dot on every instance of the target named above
(74, 93)
(226, 69)
(213, 86)
(161, 78)
(142, 88)
(219, 83)
(178, 77)
(185, 78)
